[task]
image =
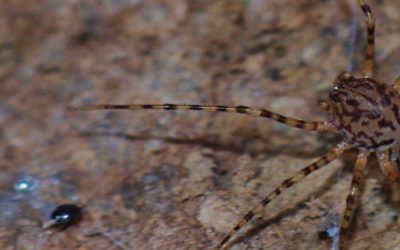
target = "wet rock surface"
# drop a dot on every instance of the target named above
(179, 180)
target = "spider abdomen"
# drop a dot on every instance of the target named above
(366, 112)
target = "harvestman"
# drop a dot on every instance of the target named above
(363, 110)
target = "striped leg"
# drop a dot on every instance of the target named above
(334, 153)
(388, 169)
(369, 56)
(253, 111)
(358, 172)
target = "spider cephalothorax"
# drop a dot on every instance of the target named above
(365, 112)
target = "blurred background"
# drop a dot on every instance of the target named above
(180, 180)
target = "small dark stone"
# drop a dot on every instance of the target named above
(66, 215)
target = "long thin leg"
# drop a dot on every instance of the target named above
(387, 167)
(253, 111)
(358, 172)
(334, 153)
(370, 54)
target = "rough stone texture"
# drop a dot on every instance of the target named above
(159, 180)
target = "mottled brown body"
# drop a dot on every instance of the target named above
(364, 112)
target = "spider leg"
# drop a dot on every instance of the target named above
(252, 111)
(368, 66)
(334, 153)
(387, 167)
(396, 84)
(358, 172)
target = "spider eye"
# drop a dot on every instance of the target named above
(334, 97)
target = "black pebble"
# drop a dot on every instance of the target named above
(66, 215)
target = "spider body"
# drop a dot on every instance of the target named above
(365, 112)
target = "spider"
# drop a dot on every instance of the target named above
(363, 111)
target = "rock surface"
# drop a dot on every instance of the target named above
(159, 180)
